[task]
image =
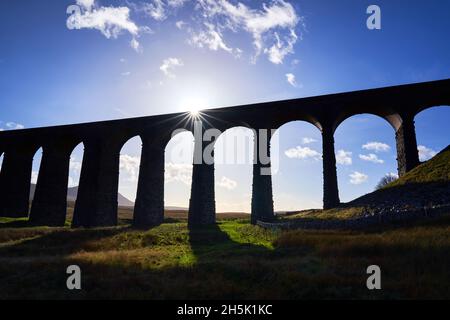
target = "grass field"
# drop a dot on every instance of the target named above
(236, 260)
(230, 260)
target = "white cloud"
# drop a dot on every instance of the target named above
(178, 172)
(392, 174)
(376, 146)
(344, 157)
(135, 45)
(130, 167)
(210, 38)
(110, 21)
(158, 9)
(302, 153)
(13, 126)
(180, 24)
(425, 153)
(75, 166)
(74, 171)
(281, 48)
(87, 4)
(126, 73)
(267, 26)
(358, 177)
(307, 140)
(371, 157)
(34, 176)
(169, 65)
(71, 182)
(291, 79)
(227, 183)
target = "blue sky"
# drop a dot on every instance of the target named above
(119, 59)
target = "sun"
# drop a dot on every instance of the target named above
(194, 104)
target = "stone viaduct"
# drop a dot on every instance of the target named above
(96, 204)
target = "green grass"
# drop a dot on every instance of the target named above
(435, 170)
(334, 214)
(232, 259)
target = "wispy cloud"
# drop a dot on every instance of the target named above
(272, 27)
(290, 78)
(227, 183)
(180, 24)
(306, 140)
(130, 167)
(160, 9)
(169, 65)
(358, 177)
(300, 152)
(211, 37)
(344, 157)
(376, 146)
(12, 126)
(371, 157)
(425, 153)
(176, 172)
(110, 21)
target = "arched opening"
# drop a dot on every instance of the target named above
(130, 157)
(1, 161)
(365, 150)
(432, 131)
(76, 160)
(35, 172)
(296, 161)
(233, 161)
(178, 156)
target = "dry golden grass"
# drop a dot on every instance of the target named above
(230, 260)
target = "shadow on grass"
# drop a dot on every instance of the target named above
(15, 223)
(212, 242)
(227, 266)
(220, 267)
(58, 241)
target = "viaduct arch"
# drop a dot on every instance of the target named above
(96, 204)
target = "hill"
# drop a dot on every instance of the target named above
(73, 191)
(425, 187)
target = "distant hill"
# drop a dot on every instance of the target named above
(122, 200)
(73, 191)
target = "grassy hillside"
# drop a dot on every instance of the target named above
(427, 185)
(435, 170)
(230, 260)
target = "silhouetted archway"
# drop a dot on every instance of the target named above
(297, 167)
(130, 156)
(432, 131)
(76, 161)
(233, 160)
(365, 150)
(1, 161)
(178, 171)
